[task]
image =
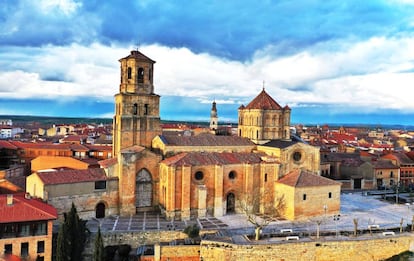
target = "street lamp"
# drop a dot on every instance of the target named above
(336, 219)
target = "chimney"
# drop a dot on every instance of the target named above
(9, 199)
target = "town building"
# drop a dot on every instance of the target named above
(26, 227)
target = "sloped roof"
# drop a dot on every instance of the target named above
(139, 56)
(300, 178)
(212, 158)
(108, 162)
(205, 140)
(263, 101)
(72, 176)
(7, 145)
(24, 209)
(281, 144)
(384, 164)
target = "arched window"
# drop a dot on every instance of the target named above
(140, 75)
(232, 174)
(129, 73)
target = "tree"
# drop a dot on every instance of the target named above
(261, 208)
(71, 237)
(62, 251)
(192, 231)
(98, 253)
(355, 220)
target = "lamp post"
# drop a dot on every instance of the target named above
(336, 219)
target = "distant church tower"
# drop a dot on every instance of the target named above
(263, 119)
(136, 120)
(213, 117)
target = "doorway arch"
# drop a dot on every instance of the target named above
(143, 189)
(231, 203)
(100, 210)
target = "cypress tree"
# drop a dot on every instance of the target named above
(98, 253)
(72, 237)
(62, 253)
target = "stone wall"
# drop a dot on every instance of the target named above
(136, 239)
(355, 249)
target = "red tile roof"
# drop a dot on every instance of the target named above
(23, 210)
(108, 162)
(7, 145)
(98, 147)
(72, 176)
(263, 101)
(300, 178)
(27, 145)
(212, 158)
(75, 138)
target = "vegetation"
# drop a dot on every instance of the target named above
(71, 237)
(192, 231)
(98, 253)
(261, 209)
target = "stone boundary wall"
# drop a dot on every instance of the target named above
(350, 249)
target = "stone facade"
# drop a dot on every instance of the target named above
(211, 189)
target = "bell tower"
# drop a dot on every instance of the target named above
(213, 117)
(136, 120)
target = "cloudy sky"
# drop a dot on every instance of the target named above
(346, 61)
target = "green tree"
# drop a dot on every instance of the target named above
(71, 237)
(62, 253)
(192, 231)
(98, 253)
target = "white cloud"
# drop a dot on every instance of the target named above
(66, 7)
(377, 73)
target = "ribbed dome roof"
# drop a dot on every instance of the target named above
(263, 101)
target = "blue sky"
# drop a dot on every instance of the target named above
(330, 61)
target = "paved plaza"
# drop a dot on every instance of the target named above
(368, 210)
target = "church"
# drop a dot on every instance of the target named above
(208, 175)
(188, 177)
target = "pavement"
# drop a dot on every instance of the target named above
(368, 210)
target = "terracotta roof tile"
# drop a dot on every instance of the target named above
(263, 101)
(108, 162)
(300, 178)
(7, 145)
(98, 147)
(212, 158)
(72, 176)
(23, 210)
